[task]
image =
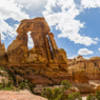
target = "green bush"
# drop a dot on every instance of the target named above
(98, 95)
(52, 94)
(6, 86)
(15, 78)
(94, 97)
(59, 93)
(74, 96)
(91, 97)
(66, 84)
(23, 85)
(26, 85)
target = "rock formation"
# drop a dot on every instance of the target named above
(17, 51)
(2, 52)
(45, 63)
(91, 67)
(45, 47)
(45, 59)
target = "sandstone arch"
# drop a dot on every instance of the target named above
(44, 43)
(39, 31)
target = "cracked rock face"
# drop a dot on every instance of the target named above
(3, 57)
(46, 59)
(48, 62)
(45, 48)
(90, 67)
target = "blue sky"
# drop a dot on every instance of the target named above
(75, 23)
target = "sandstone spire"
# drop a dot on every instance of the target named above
(0, 38)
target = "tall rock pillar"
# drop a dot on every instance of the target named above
(17, 51)
(3, 58)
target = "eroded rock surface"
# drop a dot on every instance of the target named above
(48, 62)
(91, 67)
(45, 48)
(3, 58)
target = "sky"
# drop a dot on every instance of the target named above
(75, 23)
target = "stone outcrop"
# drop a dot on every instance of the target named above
(3, 57)
(2, 50)
(17, 51)
(48, 63)
(45, 63)
(45, 49)
(91, 67)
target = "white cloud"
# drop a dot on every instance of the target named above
(65, 21)
(10, 9)
(18, 10)
(99, 49)
(90, 3)
(32, 4)
(85, 51)
(30, 41)
(32, 7)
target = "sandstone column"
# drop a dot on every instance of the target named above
(17, 51)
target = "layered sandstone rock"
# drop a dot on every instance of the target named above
(17, 51)
(2, 50)
(3, 57)
(48, 62)
(90, 66)
(45, 49)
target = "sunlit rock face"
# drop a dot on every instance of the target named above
(45, 63)
(2, 50)
(91, 67)
(3, 58)
(17, 51)
(45, 49)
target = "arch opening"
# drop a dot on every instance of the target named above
(30, 42)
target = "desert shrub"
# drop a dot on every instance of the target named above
(74, 96)
(59, 93)
(91, 97)
(52, 94)
(3, 71)
(94, 97)
(23, 85)
(31, 87)
(6, 85)
(66, 84)
(15, 79)
(2, 68)
(98, 95)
